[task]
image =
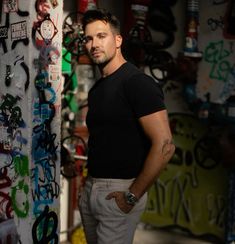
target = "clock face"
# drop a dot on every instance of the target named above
(47, 29)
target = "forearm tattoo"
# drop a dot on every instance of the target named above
(168, 149)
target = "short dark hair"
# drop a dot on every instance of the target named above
(103, 15)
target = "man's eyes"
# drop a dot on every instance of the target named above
(89, 38)
(101, 36)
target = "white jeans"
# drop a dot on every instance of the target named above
(103, 220)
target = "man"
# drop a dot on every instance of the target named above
(129, 137)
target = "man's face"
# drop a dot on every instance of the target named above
(101, 42)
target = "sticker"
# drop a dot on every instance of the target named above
(53, 55)
(47, 29)
(54, 73)
(19, 31)
(10, 6)
(54, 3)
(5, 142)
(3, 32)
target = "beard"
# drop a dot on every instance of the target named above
(102, 59)
(99, 60)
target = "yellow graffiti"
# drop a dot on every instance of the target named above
(189, 194)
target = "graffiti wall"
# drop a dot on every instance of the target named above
(30, 81)
(191, 193)
(216, 74)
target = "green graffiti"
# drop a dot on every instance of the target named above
(215, 53)
(21, 165)
(20, 203)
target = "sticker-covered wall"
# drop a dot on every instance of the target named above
(30, 81)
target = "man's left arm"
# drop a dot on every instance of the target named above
(156, 126)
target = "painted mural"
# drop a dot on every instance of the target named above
(30, 80)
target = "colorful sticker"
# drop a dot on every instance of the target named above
(53, 55)
(54, 73)
(19, 31)
(47, 29)
(10, 6)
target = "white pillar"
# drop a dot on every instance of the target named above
(30, 86)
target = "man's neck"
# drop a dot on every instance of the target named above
(112, 66)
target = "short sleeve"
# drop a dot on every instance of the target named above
(144, 95)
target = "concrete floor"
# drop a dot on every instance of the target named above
(148, 235)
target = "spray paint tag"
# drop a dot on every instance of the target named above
(10, 6)
(3, 32)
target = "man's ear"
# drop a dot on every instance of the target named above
(118, 41)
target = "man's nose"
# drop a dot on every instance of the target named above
(94, 42)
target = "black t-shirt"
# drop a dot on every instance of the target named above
(117, 145)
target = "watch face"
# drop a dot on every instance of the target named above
(47, 29)
(131, 198)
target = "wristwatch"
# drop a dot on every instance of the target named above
(131, 198)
